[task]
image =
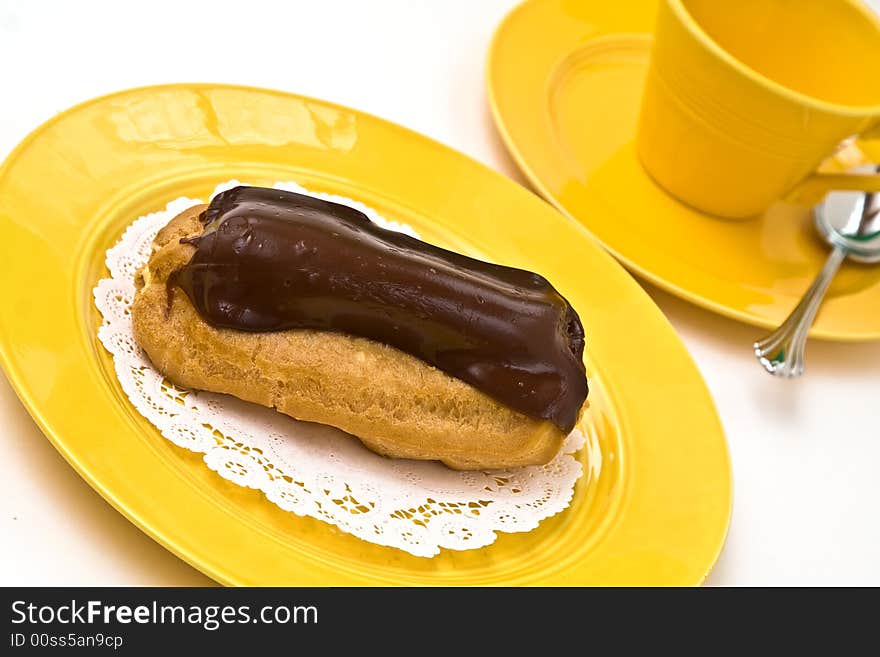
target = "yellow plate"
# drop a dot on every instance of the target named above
(654, 506)
(565, 83)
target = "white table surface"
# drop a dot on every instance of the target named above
(806, 454)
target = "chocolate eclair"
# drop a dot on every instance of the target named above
(308, 307)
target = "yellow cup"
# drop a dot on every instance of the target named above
(744, 99)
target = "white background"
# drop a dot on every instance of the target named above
(806, 454)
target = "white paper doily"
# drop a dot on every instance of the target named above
(315, 470)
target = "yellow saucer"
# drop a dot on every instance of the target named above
(565, 82)
(654, 504)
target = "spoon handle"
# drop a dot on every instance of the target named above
(782, 352)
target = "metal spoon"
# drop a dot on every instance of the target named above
(850, 223)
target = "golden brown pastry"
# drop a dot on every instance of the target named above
(394, 402)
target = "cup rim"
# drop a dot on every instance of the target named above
(866, 111)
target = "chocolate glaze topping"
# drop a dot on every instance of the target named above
(270, 260)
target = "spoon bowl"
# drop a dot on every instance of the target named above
(851, 220)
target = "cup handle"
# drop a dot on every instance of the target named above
(871, 133)
(814, 188)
